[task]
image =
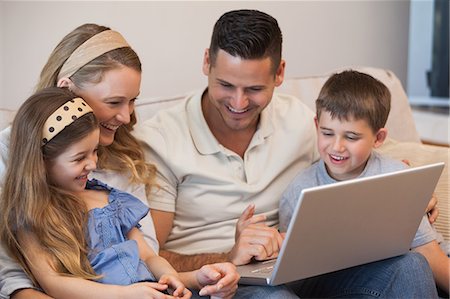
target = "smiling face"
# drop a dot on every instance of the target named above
(70, 169)
(238, 90)
(112, 99)
(346, 145)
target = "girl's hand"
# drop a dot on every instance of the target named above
(173, 281)
(218, 280)
(145, 290)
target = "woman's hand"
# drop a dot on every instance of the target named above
(218, 280)
(174, 283)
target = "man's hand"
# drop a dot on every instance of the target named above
(218, 280)
(254, 239)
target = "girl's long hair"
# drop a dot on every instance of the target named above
(29, 203)
(125, 154)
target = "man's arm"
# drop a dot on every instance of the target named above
(182, 263)
(254, 239)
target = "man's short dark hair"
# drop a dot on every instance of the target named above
(248, 34)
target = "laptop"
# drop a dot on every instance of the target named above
(349, 223)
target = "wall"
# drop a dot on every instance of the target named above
(170, 37)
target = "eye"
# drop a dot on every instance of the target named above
(79, 159)
(353, 137)
(226, 85)
(255, 89)
(327, 133)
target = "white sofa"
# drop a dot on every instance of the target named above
(404, 141)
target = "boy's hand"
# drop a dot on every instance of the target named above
(218, 280)
(432, 209)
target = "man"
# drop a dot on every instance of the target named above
(227, 153)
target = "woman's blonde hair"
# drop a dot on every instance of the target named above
(30, 203)
(125, 154)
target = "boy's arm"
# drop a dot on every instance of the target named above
(58, 286)
(439, 263)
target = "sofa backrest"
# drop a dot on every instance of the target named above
(400, 123)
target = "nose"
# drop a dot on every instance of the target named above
(240, 100)
(91, 163)
(338, 145)
(124, 114)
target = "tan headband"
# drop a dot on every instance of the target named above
(97, 45)
(64, 116)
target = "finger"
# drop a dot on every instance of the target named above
(178, 291)
(256, 219)
(211, 273)
(268, 237)
(156, 285)
(433, 215)
(432, 203)
(248, 213)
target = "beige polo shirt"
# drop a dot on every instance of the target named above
(208, 186)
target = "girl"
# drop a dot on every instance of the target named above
(97, 64)
(64, 228)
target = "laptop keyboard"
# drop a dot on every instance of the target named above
(266, 269)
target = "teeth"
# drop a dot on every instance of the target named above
(110, 127)
(236, 111)
(339, 158)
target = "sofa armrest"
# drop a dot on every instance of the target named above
(421, 154)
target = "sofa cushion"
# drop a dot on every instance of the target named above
(6, 118)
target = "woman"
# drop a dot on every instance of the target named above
(97, 64)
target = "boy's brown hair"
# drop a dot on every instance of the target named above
(356, 95)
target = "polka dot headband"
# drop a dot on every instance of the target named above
(64, 116)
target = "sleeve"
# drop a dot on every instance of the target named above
(132, 211)
(163, 195)
(425, 233)
(306, 178)
(289, 199)
(4, 145)
(12, 277)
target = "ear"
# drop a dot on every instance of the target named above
(206, 63)
(279, 76)
(380, 137)
(65, 82)
(316, 122)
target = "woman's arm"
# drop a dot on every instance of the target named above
(29, 294)
(439, 263)
(64, 287)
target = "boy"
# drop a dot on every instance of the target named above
(351, 112)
